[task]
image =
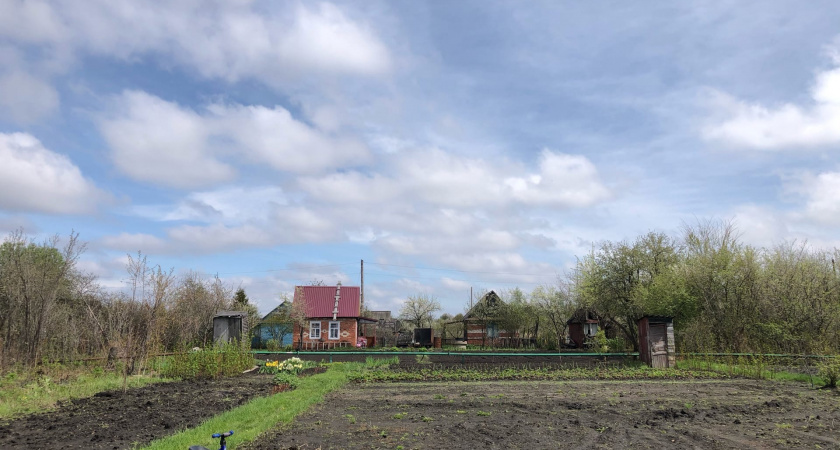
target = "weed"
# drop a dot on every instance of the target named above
(350, 418)
(440, 397)
(427, 419)
(461, 411)
(688, 405)
(483, 413)
(400, 416)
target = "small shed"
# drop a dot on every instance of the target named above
(583, 325)
(227, 326)
(656, 341)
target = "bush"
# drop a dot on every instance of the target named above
(830, 372)
(286, 378)
(214, 362)
(272, 345)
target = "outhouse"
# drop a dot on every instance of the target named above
(656, 341)
(227, 326)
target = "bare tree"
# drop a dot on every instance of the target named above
(419, 309)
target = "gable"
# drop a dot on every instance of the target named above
(488, 302)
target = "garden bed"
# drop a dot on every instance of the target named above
(118, 420)
(541, 414)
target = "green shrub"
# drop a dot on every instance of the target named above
(830, 372)
(272, 345)
(286, 378)
(214, 362)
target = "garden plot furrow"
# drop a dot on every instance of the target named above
(119, 419)
(541, 414)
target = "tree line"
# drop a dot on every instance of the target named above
(52, 310)
(724, 295)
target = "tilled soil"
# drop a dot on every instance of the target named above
(119, 420)
(602, 414)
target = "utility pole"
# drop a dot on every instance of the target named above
(471, 297)
(362, 298)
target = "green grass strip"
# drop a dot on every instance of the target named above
(755, 371)
(42, 394)
(261, 414)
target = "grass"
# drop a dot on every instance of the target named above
(22, 394)
(747, 368)
(261, 414)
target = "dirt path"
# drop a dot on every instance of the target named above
(529, 415)
(117, 420)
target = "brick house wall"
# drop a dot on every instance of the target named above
(347, 334)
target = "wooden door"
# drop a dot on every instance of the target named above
(658, 345)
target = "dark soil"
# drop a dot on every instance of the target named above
(119, 420)
(581, 414)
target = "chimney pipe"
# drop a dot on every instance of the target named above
(337, 296)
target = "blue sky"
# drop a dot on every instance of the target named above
(448, 144)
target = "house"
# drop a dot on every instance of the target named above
(481, 324)
(277, 325)
(332, 317)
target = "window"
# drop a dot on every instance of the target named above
(590, 329)
(314, 330)
(334, 329)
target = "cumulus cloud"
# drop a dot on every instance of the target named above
(785, 126)
(24, 98)
(230, 40)
(447, 180)
(160, 142)
(35, 179)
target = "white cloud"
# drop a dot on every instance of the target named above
(133, 242)
(218, 39)
(326, 40)
(161, 142)
(25, 99)
(564, 180)
(822, 197)
(447, 180)
(156, 141)
(35, 179)
(273, 136)
(30, 22)
(229, 205)
(761, 226)
(784, 126)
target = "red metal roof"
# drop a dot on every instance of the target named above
(320, 300)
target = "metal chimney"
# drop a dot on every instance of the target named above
(337, 296)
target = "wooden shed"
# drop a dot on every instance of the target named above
(227, 326)
(583, 325)
(656, 341)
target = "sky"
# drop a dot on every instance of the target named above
(449, 145)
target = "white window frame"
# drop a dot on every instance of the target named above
(590, 329)
(337, 330)
(315, 329)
